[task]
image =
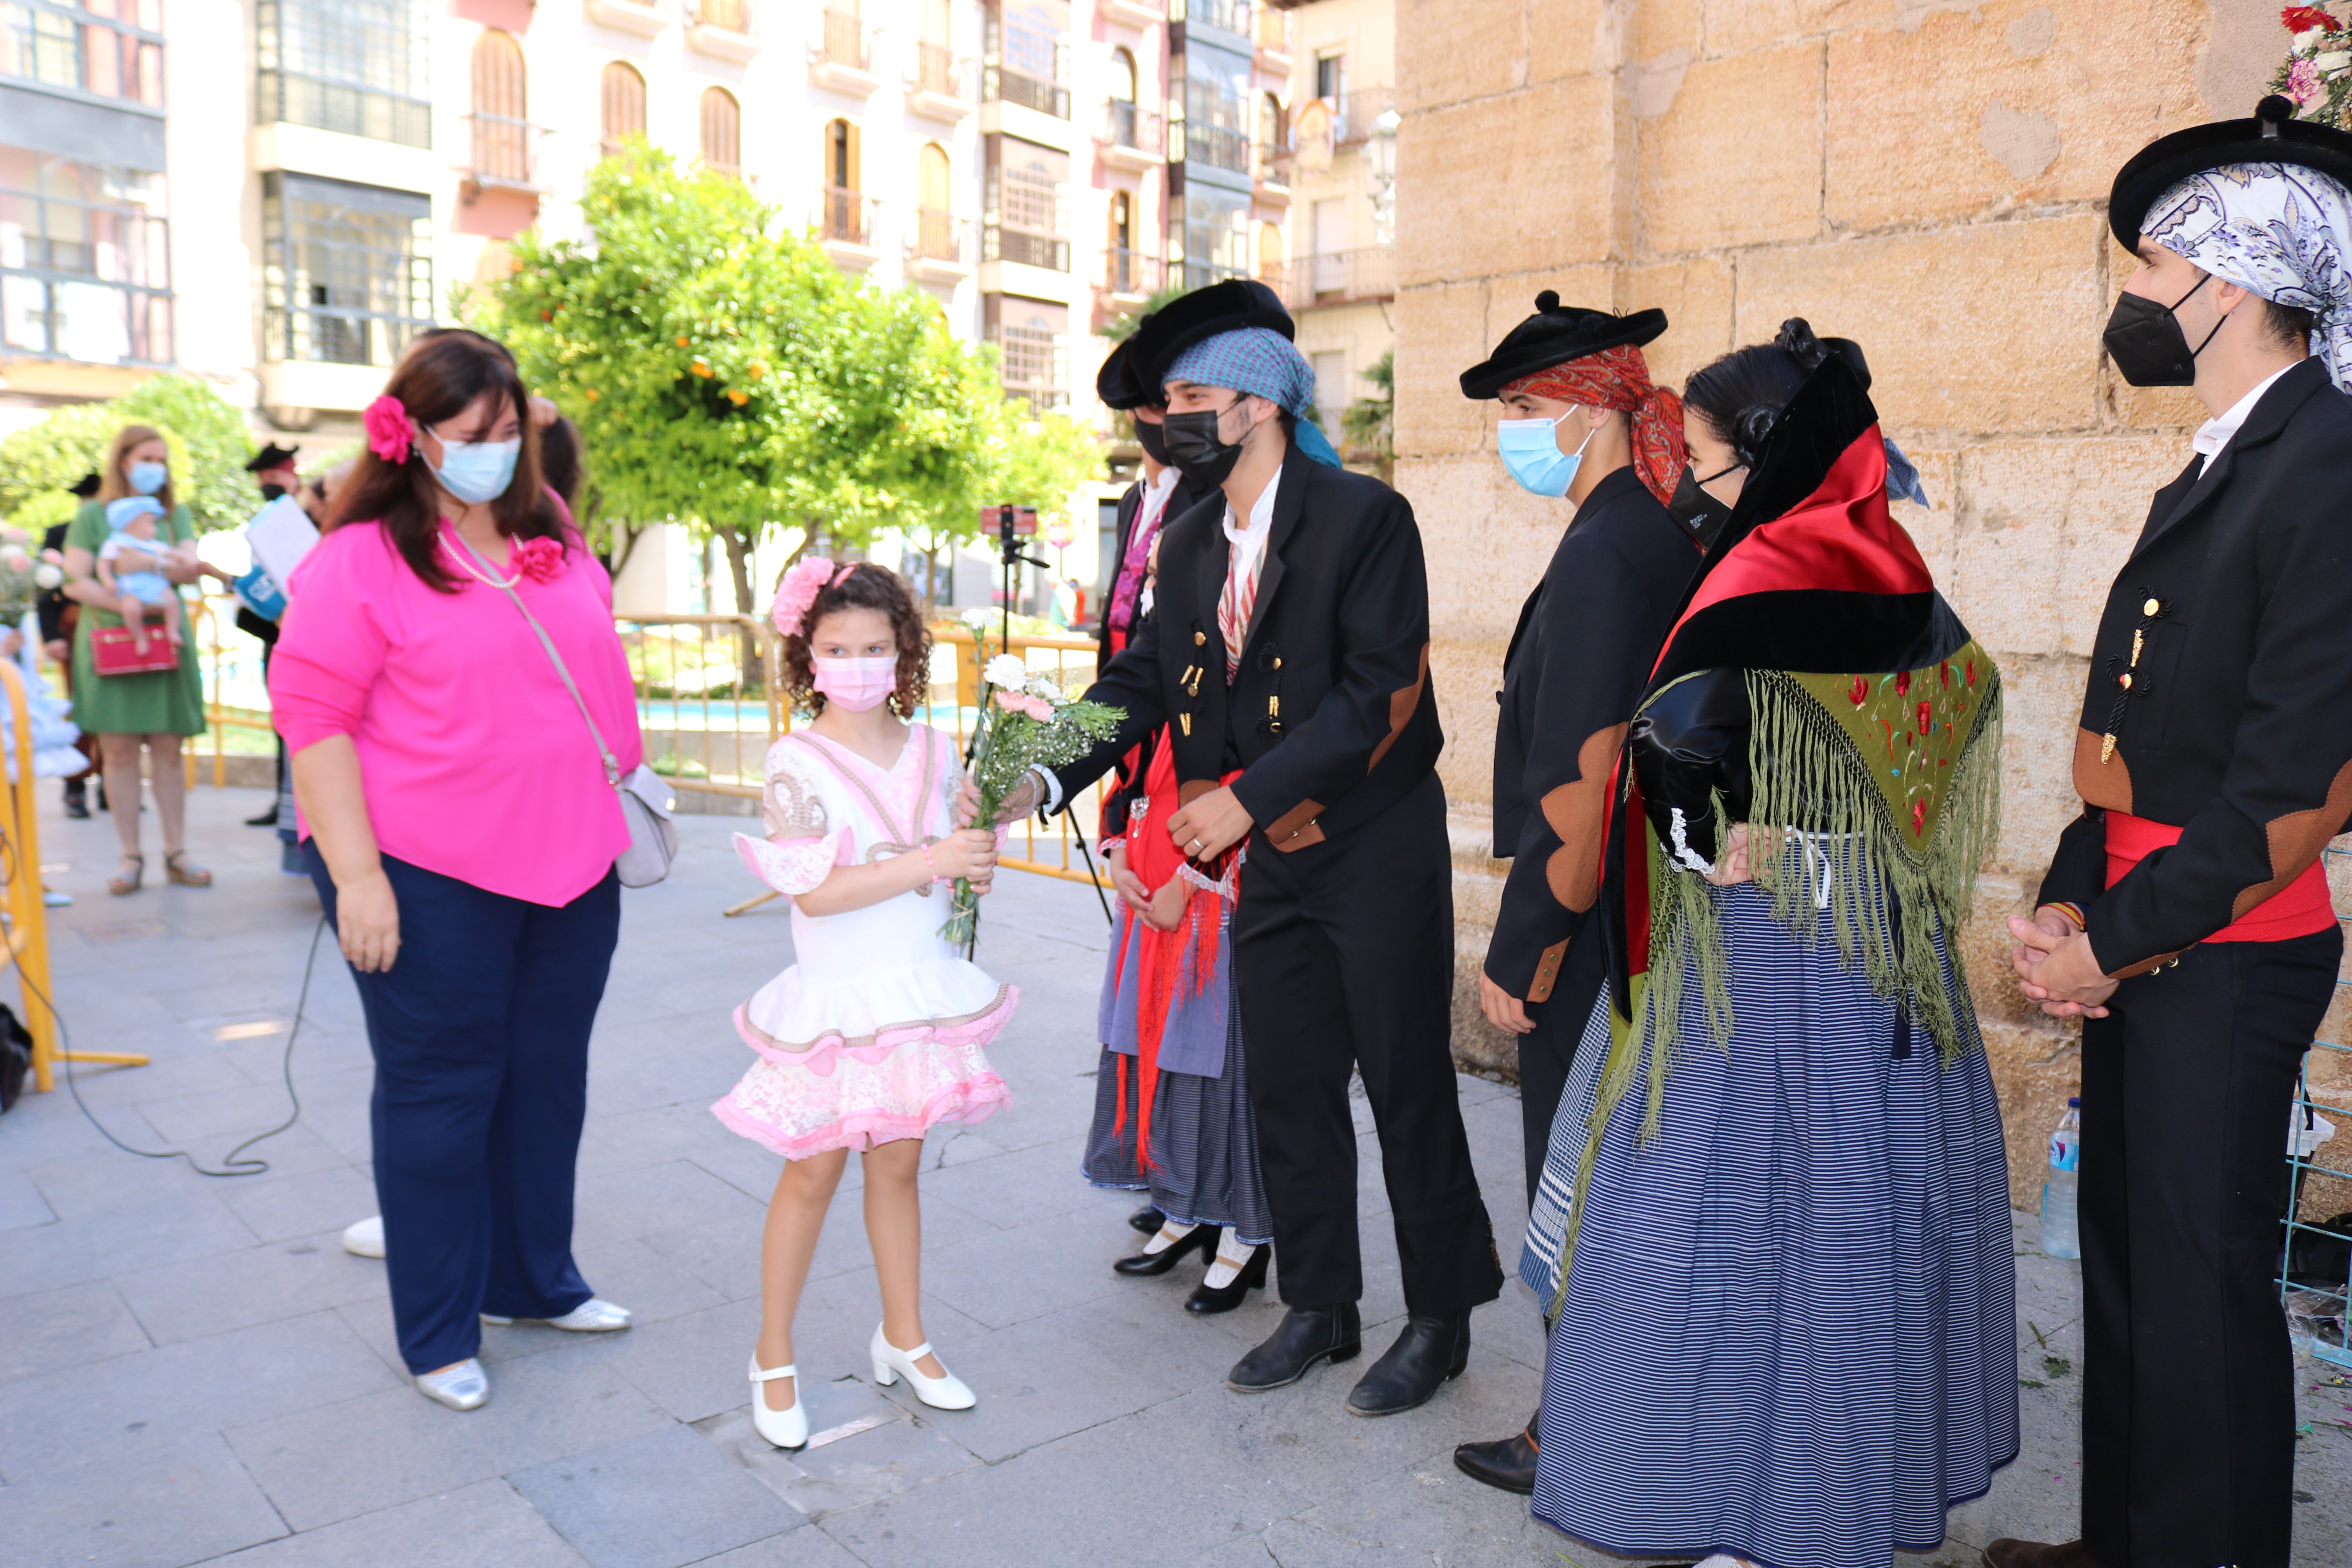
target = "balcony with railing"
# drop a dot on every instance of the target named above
(941, 84)
(1227, 16)
(845, 226)
(504, 153)
(1000, 242)
(1131, 137)
(1134, 13)
(1272, 34)
(1354, 113)
(721, 27)
(942, 247)
(1335, 278)
(841, 56)
(1025, 66)
(1270, 171)
(1128, 278)
(1004, 84)
(1218, 146)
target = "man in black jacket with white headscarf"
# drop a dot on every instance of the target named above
(2186, 915)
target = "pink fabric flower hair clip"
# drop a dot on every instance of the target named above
(387, 428)
(801, 586)
(541, 559)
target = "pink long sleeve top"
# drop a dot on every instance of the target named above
(474, 759)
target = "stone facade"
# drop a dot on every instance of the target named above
(1928, 178)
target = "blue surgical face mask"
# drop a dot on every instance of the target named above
(1530, 449)
(477, 471)
(149, 478)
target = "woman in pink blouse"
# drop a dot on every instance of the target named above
(461, 833)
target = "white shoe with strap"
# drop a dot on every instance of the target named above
(593, 1316)
(785, 1428)
(890, 1363)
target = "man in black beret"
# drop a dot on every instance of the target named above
(2186, 916)
(1582, 421)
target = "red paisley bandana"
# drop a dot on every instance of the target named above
(1619, 378)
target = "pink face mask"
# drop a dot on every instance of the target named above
(857, 684)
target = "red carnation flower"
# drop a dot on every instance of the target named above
(2304, 18)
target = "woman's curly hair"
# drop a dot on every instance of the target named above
(864, 586)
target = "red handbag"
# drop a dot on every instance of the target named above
(112, 651)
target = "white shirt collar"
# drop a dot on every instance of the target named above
(1249, 543)
(2216, 432)
(1158, 488)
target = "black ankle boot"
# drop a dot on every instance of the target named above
(1508, 1465)
(1148, 1219)
(1430, 1351)
(1147, 1265)
(76, 799)
(1207, 1298)
(1308, 1335)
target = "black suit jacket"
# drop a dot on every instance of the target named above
(1578, 664)
(2236, 724)
(1330, 717)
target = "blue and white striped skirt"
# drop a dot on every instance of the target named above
(1790, 1331)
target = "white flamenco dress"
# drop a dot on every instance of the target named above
(879, 1032)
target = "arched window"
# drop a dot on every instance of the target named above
(1122, 266)
(625, 104)
(501, 120)
(841, 155)
(1122, 77)
(1269, 254)
(722, 132)
(1273, 137)
(935, 214)
(932, 168)
(1122, 221)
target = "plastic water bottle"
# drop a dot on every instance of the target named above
(2059, 1236)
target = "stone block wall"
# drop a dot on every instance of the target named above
(1928, 178)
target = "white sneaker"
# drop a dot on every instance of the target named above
(464, 1386)
(593, 1316)
(365, 1239)
(785, 1428)
(890, 1363)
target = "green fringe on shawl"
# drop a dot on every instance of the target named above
(1827, 840)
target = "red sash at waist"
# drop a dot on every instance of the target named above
(2299, 909)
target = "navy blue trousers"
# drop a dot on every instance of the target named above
(479, 1031)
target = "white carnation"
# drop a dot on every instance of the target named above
(1045, 687)
(1007, 670)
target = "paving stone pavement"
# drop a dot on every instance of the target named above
(193, 1370)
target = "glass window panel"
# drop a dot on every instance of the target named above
(348, 277)
(82, 260)
(357, 67)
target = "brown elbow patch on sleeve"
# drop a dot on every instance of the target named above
(1402, 704)
(2106, 783)
(2296, 840)
(1575, 812)
(1547, 973)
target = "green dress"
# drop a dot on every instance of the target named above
(161, 701)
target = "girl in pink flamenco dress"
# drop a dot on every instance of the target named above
(878, 1031)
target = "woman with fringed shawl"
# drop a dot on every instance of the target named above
(1774, 1223)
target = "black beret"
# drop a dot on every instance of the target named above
(1555, 334)
(1225, 307)
(273, 456)
(1115, 383)
(87, 486)
(2273, 136)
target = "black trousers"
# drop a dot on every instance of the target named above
(2188, 1385)
(479, 1031)
(1344, 954)
(1546, 1055)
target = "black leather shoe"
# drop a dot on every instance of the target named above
(1506, 1465)
(77, 800)
(1430, 1352)
(267, 819)
(1148, 1219)
(1308, 1335)
(1145, 1265)
(1207, 1298)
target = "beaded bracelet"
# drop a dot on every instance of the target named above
(929, 862)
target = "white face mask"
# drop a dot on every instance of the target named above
(477, 471)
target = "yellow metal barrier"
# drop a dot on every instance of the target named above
(28, 944)
(706, 727)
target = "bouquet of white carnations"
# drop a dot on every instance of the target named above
(1025, 720)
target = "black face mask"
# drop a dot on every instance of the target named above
(1153, 439)
(1194, 446)
(271, 492)
(1701, 515)
(2144, 341)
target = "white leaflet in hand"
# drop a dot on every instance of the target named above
(281, 534)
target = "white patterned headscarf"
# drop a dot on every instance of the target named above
(2279, 230)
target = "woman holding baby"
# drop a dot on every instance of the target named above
(145, 533)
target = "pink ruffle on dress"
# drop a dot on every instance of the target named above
(878, 1031)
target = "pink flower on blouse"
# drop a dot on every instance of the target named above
(387, 428)
(541, 559)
